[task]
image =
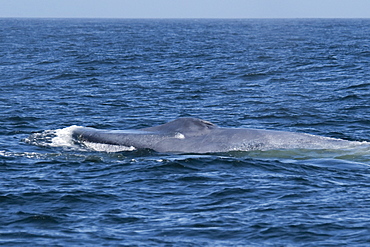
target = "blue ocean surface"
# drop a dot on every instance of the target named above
(299, 75)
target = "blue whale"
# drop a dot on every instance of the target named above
(192, 135)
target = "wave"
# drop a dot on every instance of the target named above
(63, 138)
(54, 138)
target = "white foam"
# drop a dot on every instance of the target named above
(63, 137)
(101, 147)
(29, 155)
(54, 138)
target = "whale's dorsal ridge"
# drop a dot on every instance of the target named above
(187, 126)
(194, 123)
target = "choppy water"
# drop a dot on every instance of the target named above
(294, 75)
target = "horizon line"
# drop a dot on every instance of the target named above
(182, 18)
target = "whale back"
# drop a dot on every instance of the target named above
(186, 126)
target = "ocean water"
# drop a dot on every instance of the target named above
(296, 75)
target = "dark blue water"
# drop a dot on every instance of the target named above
(308, 76)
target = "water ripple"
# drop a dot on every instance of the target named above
(295, 75)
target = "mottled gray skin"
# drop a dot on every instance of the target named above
(192, 135)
